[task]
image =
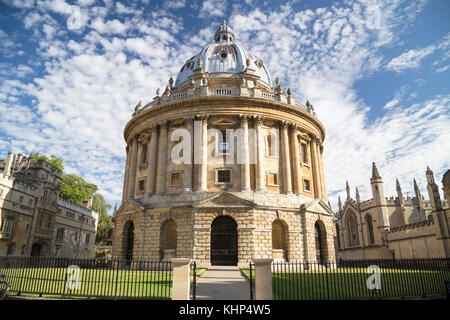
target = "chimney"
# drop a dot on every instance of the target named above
(89, 202)
(9, 163)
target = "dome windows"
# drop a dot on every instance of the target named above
(223, 54)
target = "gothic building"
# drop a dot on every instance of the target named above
(224, 166)
(400, 227)
(34, 220)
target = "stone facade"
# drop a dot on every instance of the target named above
(34, 220)
(400, 227)
(250, 152)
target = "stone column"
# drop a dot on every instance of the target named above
(315, 167)
(203, 172)
(245, 155)
(133, 169)
(263, 279)
(189, 167)
(151, 168)
(287, 179)
(162, 159)
(260, 173)
(322, 172)
(181, 279)
(127, 171)
(296, 154)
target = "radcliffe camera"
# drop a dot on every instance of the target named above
(233, 158)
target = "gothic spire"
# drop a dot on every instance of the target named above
(347, 188)
(375, 174)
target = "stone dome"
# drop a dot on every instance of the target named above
(223, 56)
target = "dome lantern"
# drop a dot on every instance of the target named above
(224, 34)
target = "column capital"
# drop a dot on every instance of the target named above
(244, 117)
(258, 120)
(143, 138)
(203, 117)
(162, 123)
(293, 128)
(189, 118)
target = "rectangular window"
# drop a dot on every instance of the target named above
(87, 238)
(144, 154)
(307, 185)
(223, 176)
(224, 144)
(30, 202)
(304, 153)
(175, 179)
(141, 185)
(20, 199)
(272, 179)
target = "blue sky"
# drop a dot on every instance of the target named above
(377, 73)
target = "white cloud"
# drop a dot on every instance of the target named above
(213, 8)
(410, 59)
(109, 27)
(171, 4)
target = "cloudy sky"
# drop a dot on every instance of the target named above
(377, 73)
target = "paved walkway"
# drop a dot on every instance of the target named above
(223, 283)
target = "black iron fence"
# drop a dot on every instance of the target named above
(89, 278)
(193, 279)
(359, 279)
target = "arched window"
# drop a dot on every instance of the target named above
(129, 241)
(370, 229)
(168, 238)
(278, 240)
(338, 236)
(352, 228)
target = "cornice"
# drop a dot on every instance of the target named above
(215, 100)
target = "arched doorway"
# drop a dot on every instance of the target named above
(321, 242)
(39, 249)
(224, 248)
(35, 250)
(129, 241)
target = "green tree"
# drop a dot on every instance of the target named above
(105, 223)
(76, 189)
(53, 160)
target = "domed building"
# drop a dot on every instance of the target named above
(223, 167)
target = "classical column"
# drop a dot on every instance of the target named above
(315, 167)
(127, 171)
(153, 153)
(245, 155)
(296, 154)
(189, 167)
(322, 172)
(133, 168)
(287, 179)
(260, 186)
(203, 172)
(162, 158)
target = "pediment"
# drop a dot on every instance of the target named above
(129, 206)
(225, 200)
(223, 122)
(318, 205)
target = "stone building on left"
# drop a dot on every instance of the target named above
(34, 219)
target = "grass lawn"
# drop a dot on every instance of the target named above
(94, 283)
(351, 283)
